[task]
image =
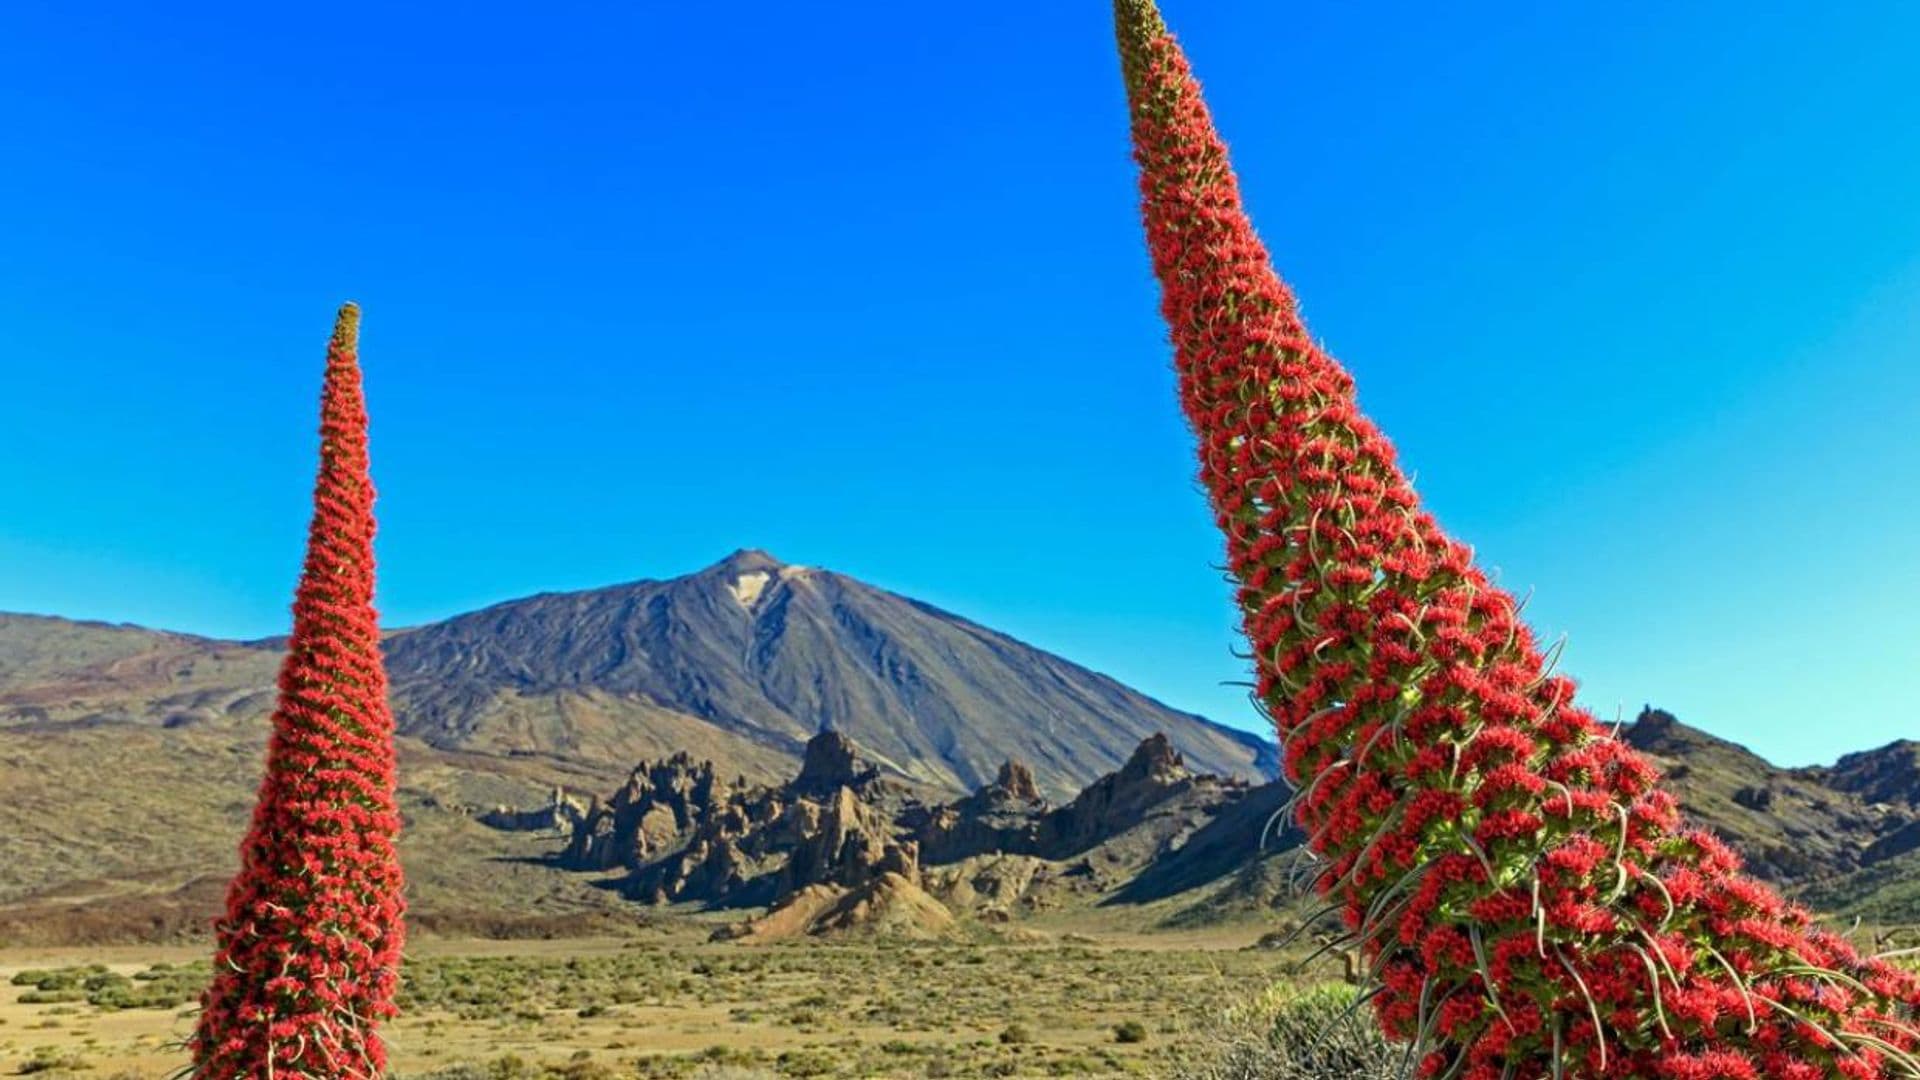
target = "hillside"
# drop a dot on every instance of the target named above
(129, 757)
(1844, 836)
(128, 760)
(752, 655)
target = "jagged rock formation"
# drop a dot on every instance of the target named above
(841, 846)
(1004, 816)
(845, 845)
(684, 835)
(1015, 784)
(659, 802)
(830, 763)
(1155, 774)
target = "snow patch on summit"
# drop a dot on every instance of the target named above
(747, 587)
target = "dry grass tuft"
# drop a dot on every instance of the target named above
(1288, 1034)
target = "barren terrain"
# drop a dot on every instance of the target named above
(669, 1004)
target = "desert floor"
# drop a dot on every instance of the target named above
(1049, 1002)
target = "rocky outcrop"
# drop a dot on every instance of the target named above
(890, 906)
(845, 841)
(660, 803)
(1887, 776)
(831, 762)
(841, 844)
(684, 836)
(1015, 784)
(561, 814)
(1155, 776)
(1004, 817)
(730, 858)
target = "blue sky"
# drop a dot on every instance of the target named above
(1635, 287)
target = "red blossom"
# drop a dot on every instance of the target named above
(1429, 736)
(309, 949)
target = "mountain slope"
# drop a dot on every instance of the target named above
(129, 757)
(771, 654)
(1814, 828)
(57, 669)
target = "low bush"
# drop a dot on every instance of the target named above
(1288, 1034)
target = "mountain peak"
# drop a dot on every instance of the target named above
(747, 560)
(747, 573)
(743, 657)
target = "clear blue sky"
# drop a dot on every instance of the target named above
(1636, 287)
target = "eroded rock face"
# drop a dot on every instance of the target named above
(1118, 801)
(661, 802)
(684, 836)
(1005, 817)
(1015, 783)
(726, 859)
(847, 842)
(840, 843)
(831, 763)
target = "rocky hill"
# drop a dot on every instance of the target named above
(1842, 838)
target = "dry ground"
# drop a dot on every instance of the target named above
(672, 1005)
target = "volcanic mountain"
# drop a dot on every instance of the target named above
(129, 757)
(764, 656)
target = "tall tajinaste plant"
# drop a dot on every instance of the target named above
(1523, 893)
(309, 949)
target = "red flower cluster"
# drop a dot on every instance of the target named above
(309, 949)
(1524, 895)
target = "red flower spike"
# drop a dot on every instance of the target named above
(309, 949)
(1451, 787)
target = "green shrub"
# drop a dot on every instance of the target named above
(1293, 1035)
(1130, 1031)
(48, 1059)
(453, 1072)
(159, 987)
(806, 1063)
